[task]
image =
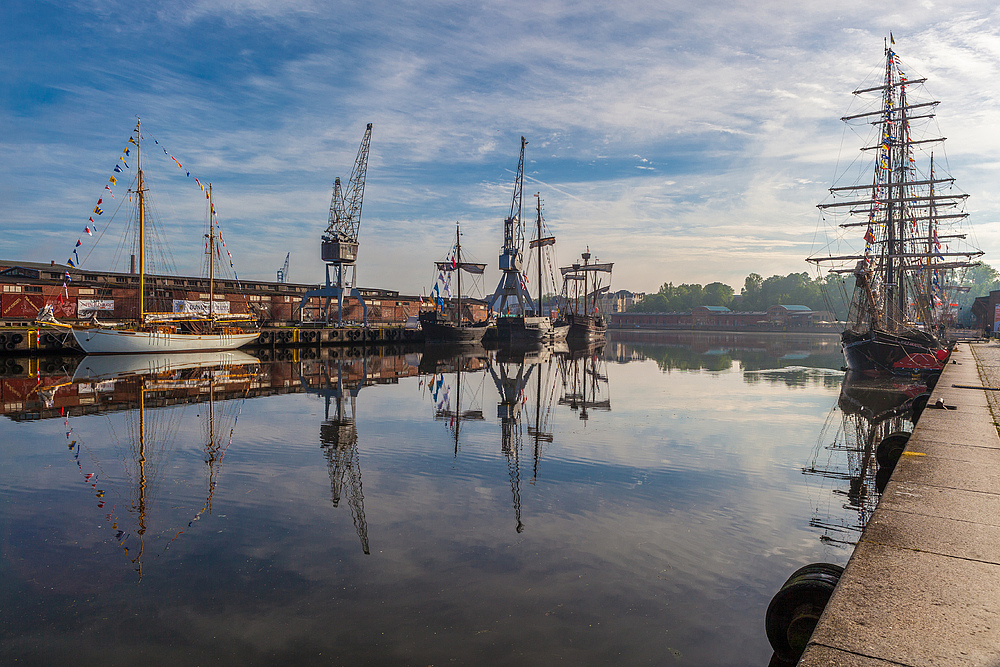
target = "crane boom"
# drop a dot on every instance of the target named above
(340, 240)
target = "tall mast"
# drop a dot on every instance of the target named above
(930, 241)
(211, 254)
(142, 223)
(903, 164)
(887, 126)
(458, 257)
(538, 204)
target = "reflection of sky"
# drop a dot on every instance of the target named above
(660, 527)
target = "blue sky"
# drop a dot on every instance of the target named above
(685, 142)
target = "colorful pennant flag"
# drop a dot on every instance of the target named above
(87, 229)
(98, 211)
(118, 168)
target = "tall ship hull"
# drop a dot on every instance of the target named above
(118, 341)
(881, 353)
(586, 327)
(524, 329)
(438, 330)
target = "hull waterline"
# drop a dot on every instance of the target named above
(881, 353)
(116, 341)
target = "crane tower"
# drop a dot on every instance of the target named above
(339, 246)
(511, 287)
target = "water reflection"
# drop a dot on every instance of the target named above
(152, 391)
(717, 352)
(505, 506)
(868, 409)
(339, 383)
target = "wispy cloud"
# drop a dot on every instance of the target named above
(684, 142)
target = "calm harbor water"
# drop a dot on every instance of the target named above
(636, 504)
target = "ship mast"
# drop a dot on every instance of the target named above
(211, 255)
(142, 223)
(538, 222)
(458, 257)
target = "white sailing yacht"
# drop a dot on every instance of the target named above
(158, 332)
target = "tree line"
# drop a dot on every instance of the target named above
(831, 292)
(758, 294)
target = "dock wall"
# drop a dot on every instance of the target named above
(923, 584)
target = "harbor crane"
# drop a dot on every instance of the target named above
(339, 247)
(511, 287)
(283, 271)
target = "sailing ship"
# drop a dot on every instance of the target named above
(438, 328)
(580, 302)
(899, 293)
(158, 332)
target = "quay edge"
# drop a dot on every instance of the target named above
(922, 585)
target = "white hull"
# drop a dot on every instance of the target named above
(118, 341)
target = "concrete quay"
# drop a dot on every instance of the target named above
(923, 584)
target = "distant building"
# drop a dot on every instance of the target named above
(986, 312)
(77, 294)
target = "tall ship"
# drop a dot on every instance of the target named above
(186, 328)
(897, 231)
(582, 287)
(436, 326)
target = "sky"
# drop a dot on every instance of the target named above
(685, 142)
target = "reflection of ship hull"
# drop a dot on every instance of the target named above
(586, 327)
(873, 397)
(439, 330)
(123, 341)
(878, 352)
(103, 367)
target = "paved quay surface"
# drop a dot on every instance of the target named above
(923, 584)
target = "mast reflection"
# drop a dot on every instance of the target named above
(152, 390)
(585, 380)
(869, 410)
(439, 362)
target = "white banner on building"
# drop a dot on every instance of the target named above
(200, 307)
(88, 306)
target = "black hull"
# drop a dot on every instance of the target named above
(438, 330)
(881, 353)
(586, 327)
(521, 330)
